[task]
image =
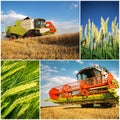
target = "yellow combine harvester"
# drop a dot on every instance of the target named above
(95, 85)
(30, 27)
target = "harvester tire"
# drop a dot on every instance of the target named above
(30, 34)
(87, 105)
(107, 105)
(12, 37)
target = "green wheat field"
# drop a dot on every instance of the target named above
(20, 89)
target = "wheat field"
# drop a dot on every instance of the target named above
(65, 46)
(75, 112)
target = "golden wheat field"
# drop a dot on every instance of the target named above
(75, 112)
(65, 46)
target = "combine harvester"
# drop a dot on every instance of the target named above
(95, 85)
(29, 27)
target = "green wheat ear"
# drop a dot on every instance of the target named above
(20, 90)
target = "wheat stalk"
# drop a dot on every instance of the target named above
(19, 88)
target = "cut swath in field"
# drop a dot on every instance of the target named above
(100, 44)
(65, 46)
(20, 89)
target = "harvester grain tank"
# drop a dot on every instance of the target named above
(94, 85)
(30, 27)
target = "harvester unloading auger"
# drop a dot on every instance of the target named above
(95, 85)
(30, 27)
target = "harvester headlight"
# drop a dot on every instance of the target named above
(47, 25)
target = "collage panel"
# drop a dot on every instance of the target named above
(40, 30)
(60, 59)
(87, 87)
(99, 31)
(19, 89)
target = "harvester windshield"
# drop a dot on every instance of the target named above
(39, 23)
(89, 73)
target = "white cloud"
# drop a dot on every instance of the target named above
(55, 67)
(46, 72)
(44, 67)
(48, 69)
(48, 85)
(75, 72)
(74, 5)
(63, 69)
(114, 73)
(79, 61)
(60, 80)
(10, 17)
(51, 70)
(91, 64)
(66, 26)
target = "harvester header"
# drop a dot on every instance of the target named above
(94, 84)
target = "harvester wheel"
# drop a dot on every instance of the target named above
(67, 91)
(12, 37)
(30, 33)
(107, 105)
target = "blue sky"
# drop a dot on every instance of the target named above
(55, 73)
(62, 13)
(95, 9)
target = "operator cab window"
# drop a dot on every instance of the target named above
(39, 23)
(90, 74)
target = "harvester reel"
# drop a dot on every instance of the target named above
(67, 91)
(83, 84)
(54, 93)
(83, 88)
(84, 92)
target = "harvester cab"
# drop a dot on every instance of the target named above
(94, 85)
(89, 72)
(44, 26)
(39, 23)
